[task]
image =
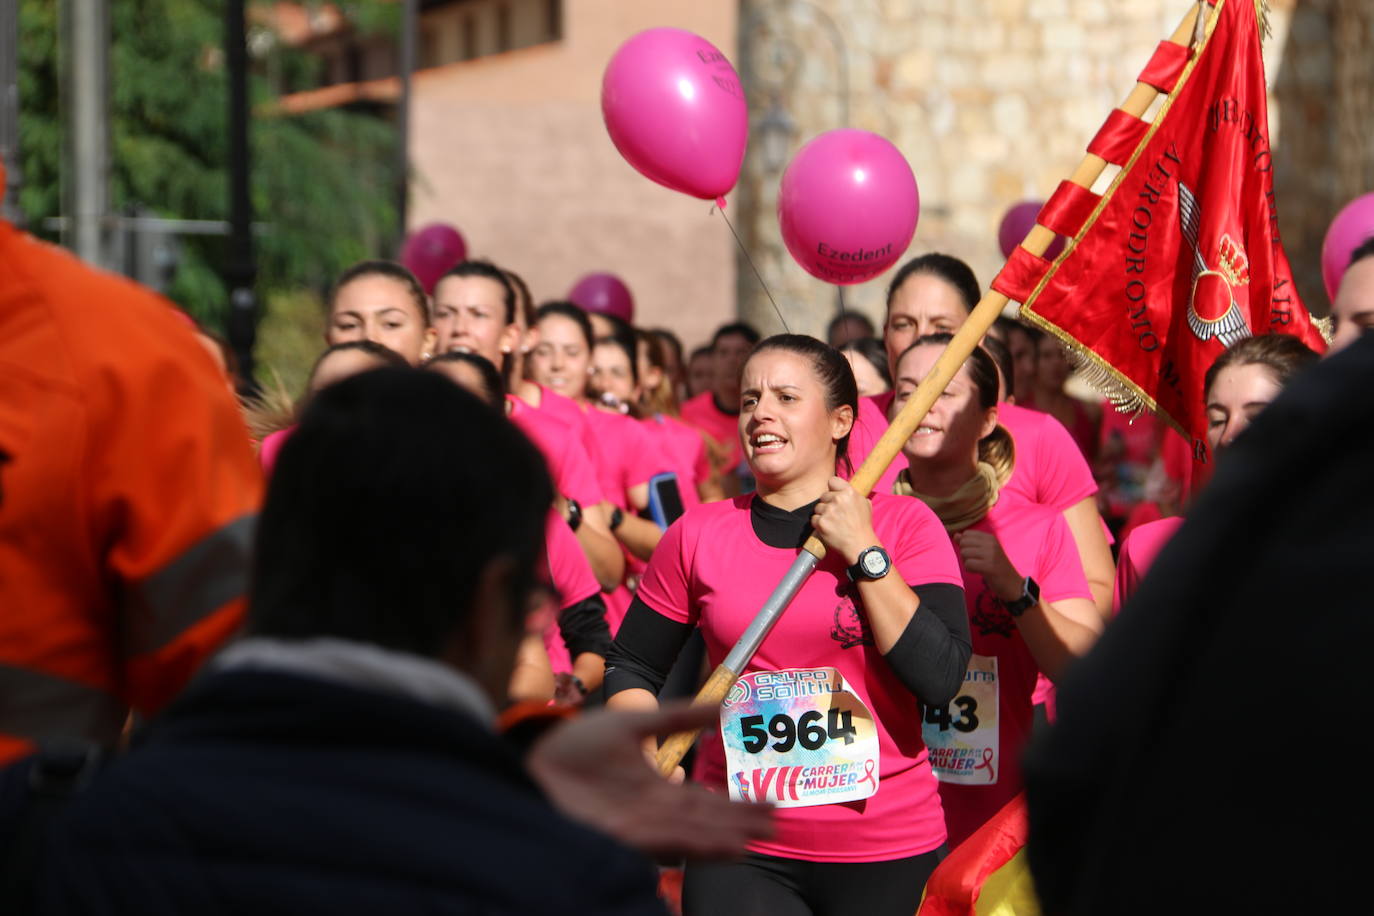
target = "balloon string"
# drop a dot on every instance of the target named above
(744, 251)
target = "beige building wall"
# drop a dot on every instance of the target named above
(511, 149)
(993, 101)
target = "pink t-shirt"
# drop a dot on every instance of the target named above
(685, 452)
(721, 430)
(1138, 552)
(624, 454)
(1039, 544)
(571, 576)
(271, 448)
(559, 407)
(570, 466)
(1050, 470)
(711, 569)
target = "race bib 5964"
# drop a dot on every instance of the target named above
(798, 737)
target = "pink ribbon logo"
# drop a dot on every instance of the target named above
(987, 765)
(868, 775)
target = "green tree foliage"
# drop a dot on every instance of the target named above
(323, 182)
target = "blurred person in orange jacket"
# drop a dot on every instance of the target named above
(128, 492)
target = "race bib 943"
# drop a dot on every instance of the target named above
(798, 737)
(962, 738)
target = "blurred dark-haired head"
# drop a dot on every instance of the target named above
(1006, 371)
(848, 326)
(1352, 311)
(406, 514)
(472, 373)
(730, 347)
(344, 360)
(869, 359)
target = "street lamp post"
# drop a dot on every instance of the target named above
(241, 267)
(9, 111)
(410, 25)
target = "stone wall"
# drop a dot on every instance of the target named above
(992, 102)
(1321, 70)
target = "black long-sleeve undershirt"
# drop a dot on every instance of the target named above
(929, 658)
(584, 629)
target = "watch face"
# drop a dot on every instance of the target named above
(874, 563)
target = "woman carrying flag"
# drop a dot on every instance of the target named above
(824, 720)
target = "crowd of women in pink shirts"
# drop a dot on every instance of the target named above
(994, 551)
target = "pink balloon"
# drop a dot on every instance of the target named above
(1349, 229)
(606, 294)
(675, 110)
(1017, 222)
(848, 206)
(430, 251)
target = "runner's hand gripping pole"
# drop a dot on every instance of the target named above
(718, 685)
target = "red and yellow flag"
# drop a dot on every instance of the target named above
(1180, 258)
(987, 874)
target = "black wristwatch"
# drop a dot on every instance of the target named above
(1030, 597)
(617, 517)
(874, 563)
(574, 514)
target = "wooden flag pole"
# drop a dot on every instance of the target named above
(718, 685)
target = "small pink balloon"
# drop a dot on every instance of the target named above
(675, 110)
(605, 294)
(848, 206)
(1349, 229)
(430, 251)
(1018, 222)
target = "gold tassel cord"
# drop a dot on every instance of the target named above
(1262, 14)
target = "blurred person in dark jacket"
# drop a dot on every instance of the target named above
(1208, 753)
(342, 757)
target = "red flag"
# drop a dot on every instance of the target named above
(1181, 257)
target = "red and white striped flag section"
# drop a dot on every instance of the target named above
(1180, 258)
